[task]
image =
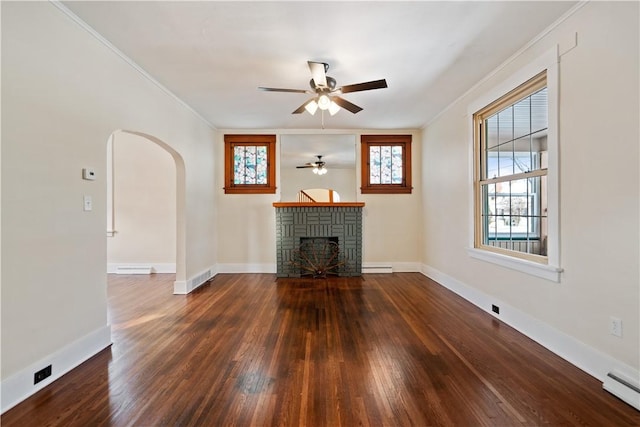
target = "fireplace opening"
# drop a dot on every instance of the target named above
(318, 257)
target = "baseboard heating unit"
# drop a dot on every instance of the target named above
(133, 269)
(375, 268)
(623, 387)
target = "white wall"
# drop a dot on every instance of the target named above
(599, 188)
(391, 223)
(144, 204)
(63, 94)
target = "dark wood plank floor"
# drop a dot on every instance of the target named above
(250, 350)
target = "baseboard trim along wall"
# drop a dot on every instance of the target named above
(247, 268)
(19, 386)
(588, 359)
(141, 268)
(367, 267)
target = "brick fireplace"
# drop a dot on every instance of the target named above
(334, 221)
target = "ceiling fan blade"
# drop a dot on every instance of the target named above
(358, 87)
(275, 89)
(305, 166)
(318, 73)
(346, 104)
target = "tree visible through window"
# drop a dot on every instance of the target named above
(250, 164)
(386, 164)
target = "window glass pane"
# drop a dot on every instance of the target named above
(374, 164)
(492, 163)
(239, 165)
(261, 165)
(538, 148)
(489, 212)
(506, 159)
(522, 118)
(505, 125)
(396, 172)
(491, 131)
(385, 164)
(539, 110)
(513, 215)
(522, 162)
(249, 164)
(518, 203)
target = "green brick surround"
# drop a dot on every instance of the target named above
(343, 222)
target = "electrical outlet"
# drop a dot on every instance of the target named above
(41, 374)
(615, 326)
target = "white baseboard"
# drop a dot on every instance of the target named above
(19, 386)
(368, 267)
(592, 361)
(160, 268)
(247, 268)
(181, 287)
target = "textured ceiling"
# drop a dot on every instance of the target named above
(214, 55)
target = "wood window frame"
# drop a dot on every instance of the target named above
(368, 141)
(525, 89)
(230, 142)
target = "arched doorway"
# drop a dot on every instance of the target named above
(145, 205)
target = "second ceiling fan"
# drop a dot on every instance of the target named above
(326, 94)
(318, 166)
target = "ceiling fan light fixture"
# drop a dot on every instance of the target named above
(324, 102)
(311, 107)
(319, 170)
(333, 108)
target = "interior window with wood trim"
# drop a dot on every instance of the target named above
(249, 164)
(386, 164)
(511, 167)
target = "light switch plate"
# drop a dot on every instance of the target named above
(88, 203)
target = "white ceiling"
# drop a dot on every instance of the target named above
(214, 55)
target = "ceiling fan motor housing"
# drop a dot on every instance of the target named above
(331, 85)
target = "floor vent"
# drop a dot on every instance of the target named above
(133, 269)
(200, 279)
(625, 388)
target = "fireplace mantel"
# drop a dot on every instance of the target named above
(299, 220)
(318, 204)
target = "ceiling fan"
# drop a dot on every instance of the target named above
(326, 93)
(318, 166)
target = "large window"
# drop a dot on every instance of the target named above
(250, 164)
(386, 164)
(511, 172)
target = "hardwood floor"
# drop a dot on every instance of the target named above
(250, 350)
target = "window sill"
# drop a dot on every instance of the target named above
(543, 271)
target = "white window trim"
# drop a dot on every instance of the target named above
(548, 61)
